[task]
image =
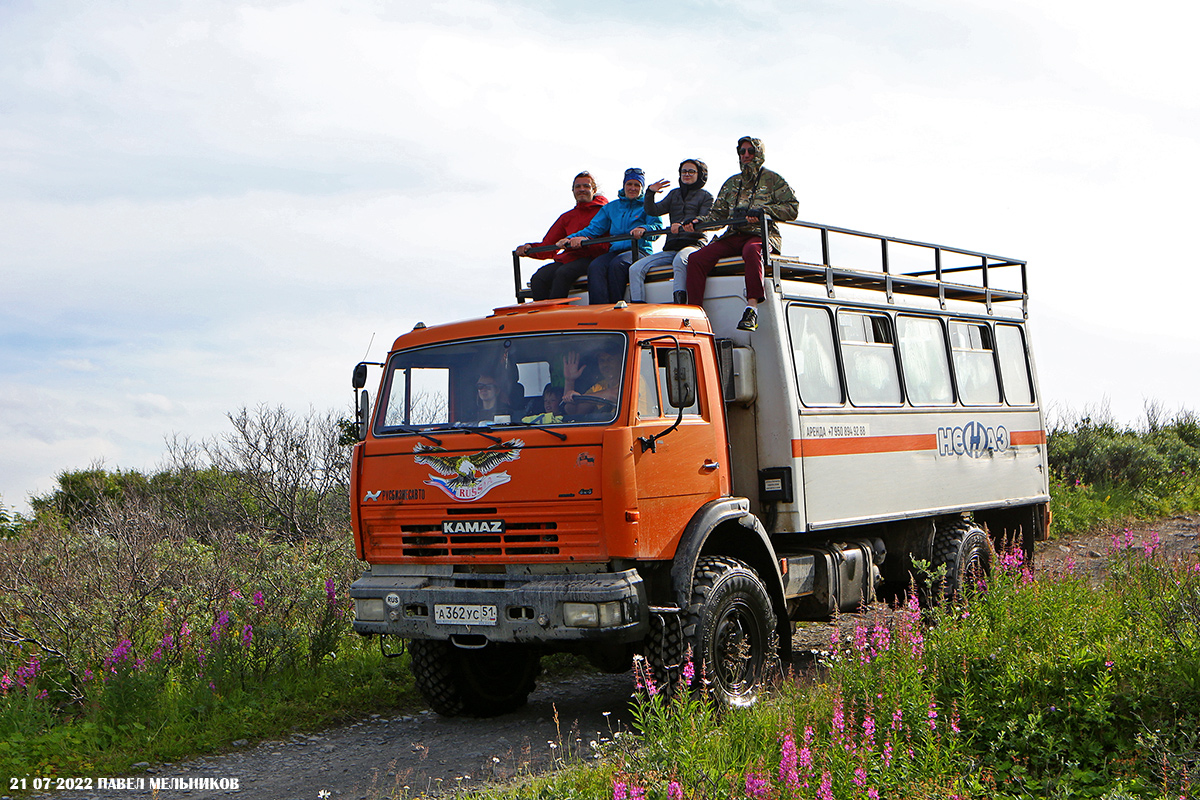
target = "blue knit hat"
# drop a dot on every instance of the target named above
(635, 174)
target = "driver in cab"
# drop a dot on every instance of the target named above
(604, 392)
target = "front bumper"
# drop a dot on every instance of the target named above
(529, 608)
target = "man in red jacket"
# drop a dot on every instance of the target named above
(555, 279)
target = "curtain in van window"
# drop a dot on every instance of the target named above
(1014, 367)
(974, 364)
(926, 364)
(814, 356)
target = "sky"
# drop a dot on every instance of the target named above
(210, 205)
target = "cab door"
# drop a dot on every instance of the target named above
(684, 470)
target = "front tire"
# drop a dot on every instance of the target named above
(730, 625)
(493, 680)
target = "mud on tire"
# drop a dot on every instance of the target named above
(730, 625)
(964, 550)
(487, 682)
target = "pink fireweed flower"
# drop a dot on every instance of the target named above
(887, 753)
(868, 726)
(88, 675)
(43, 694)
(860, 777)
(954, 723)
(247, 635)
(756, 785)
(119, 655)
(220, 625)
(883, 637)
(873, 793)
(1128, 538)
(258, 600)
(330, 590)
(637, 793)
(861, 643)
(1070, 565)
(235, 593)
(1150, 546)
(184, 631)
(826, 790)
(620, 790)
(5, 683)
(933, 714)
(674, 791)
(839, 719)
(788, 760)
(897, 718)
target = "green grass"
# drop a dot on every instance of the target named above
(1038, 688)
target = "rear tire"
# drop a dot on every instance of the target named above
(487, 682)
(730, 625)
(965, 551)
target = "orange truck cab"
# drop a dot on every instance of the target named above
(618, 480)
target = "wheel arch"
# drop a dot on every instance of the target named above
(726, 527)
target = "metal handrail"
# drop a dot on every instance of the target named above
(649, 234)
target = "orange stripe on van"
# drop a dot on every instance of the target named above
(850, 445)
(1027, 437)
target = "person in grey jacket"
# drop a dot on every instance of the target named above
(684, 205)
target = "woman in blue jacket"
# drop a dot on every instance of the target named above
(609, 272)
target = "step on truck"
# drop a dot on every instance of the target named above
(707, 487)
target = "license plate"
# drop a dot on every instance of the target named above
(464, 615)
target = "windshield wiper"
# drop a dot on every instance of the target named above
(550, 431)
(485, 432)
(418, 432)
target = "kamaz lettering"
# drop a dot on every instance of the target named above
(473, 526)
(973, 439)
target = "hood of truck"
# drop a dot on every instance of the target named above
(532, 497)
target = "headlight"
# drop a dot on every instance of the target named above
(593, 615)
(370, 610)
(581, 615)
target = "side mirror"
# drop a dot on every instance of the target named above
(364, 410)
(681, 378)
(360, 376)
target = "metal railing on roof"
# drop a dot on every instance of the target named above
(927, 281)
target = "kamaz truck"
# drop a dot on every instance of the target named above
(699, 488)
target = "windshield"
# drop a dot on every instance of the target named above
(545, 379)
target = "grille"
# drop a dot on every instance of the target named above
(519, 539)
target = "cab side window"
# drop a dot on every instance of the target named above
(974, 364)
(1014, 365)
(869, 355)
(926, 363)
(688, 355)
(815, 356)
(648, 403)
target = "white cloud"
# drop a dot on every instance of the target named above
(212, 205)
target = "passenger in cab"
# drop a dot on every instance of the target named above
(683, 206)
(552, 407)
(489, 401)
(749, 194)
(603, 390)
(609, 272)
(567, 266)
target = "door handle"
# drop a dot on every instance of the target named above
(710, 464)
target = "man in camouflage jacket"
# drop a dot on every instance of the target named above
(751, 193)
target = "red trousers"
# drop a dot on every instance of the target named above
(701, 262)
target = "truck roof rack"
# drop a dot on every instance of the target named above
(974, 272)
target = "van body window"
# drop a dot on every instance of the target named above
(1014, 365)
(974, 365)
(813, 352)
(925, 361)
(869, 355)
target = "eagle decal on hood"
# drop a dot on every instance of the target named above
(468, 477)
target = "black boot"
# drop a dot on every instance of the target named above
(681, 298)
